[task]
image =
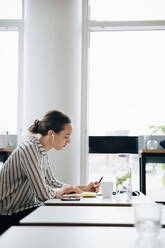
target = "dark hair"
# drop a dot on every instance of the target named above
(53, 120)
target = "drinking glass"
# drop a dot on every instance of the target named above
(147, 219)
(2, 140)
(152, 144)
(123, 178)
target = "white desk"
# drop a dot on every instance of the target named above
(79, 215)
(98, 201)
(75, 237)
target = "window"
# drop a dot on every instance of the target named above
(125, 82)
(127, 10)
(10, 55)
(9, 80)
(125, 75)
(10, 9)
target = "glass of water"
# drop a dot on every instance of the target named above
(147, 219)
(123, 178)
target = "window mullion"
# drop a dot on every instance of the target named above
(94, 26)
(11, 24)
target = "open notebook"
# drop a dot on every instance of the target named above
(84, 194)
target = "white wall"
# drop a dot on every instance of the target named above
(52, 69)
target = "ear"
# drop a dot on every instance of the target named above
(50, 133)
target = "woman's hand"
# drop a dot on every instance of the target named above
(72, 189)
(68, 190)
(93, 187)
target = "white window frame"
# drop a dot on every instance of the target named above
(17, 25)
(100, 26)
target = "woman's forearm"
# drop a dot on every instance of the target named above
(83, 188)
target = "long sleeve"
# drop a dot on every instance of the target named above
(50, 178)
(32, 163)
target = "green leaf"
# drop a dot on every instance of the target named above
(163, 180)
(120, 180)
(157, 128)
(163, 129)
(153, 169)
(151, 126)
(163, 166)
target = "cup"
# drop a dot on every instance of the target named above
(147, 219)
(107, 188)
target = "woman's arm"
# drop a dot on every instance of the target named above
(51, 179)
(91, 187)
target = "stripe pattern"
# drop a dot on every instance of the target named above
(26, 178)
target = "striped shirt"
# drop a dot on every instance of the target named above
(26, 179)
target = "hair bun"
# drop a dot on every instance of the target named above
(36, 123)
(35, 127)
(52, 120)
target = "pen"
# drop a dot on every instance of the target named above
(100, 179)
(99, 182)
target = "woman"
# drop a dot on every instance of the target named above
(26, 178)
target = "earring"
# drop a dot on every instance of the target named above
(52, 138)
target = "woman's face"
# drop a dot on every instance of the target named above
(61, 139)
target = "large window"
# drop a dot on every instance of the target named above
(10, 57)
(126, 80)
(9, 80)
(125, 75)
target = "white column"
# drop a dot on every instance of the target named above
(52, 73)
